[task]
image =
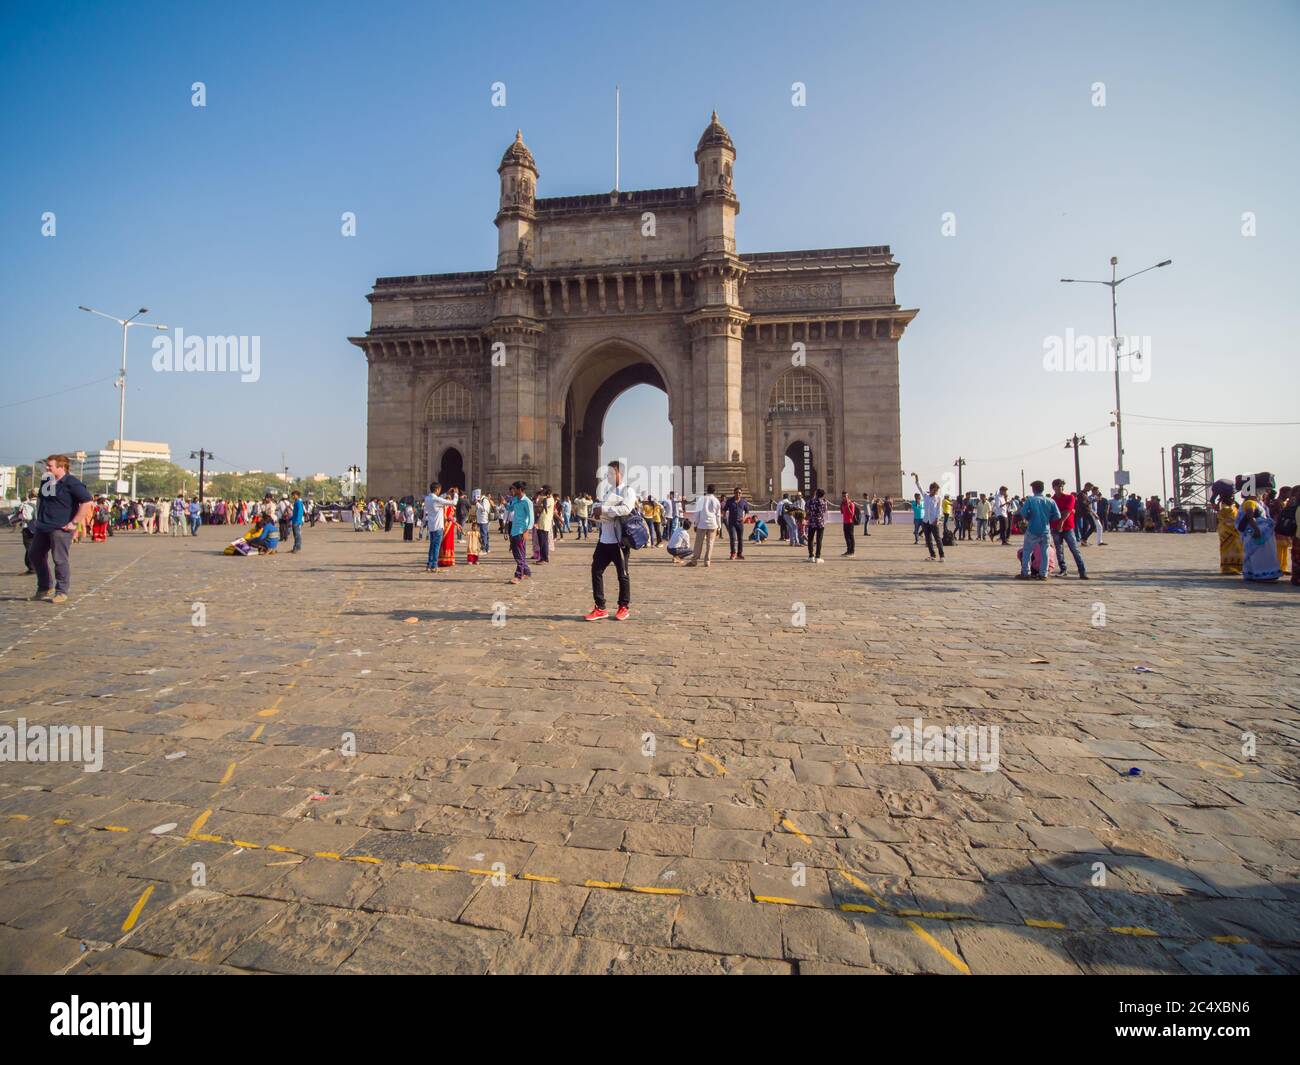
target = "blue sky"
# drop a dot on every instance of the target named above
(225, 219)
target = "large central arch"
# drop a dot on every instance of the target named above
(599, 376)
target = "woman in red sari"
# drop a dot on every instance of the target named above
(447, 552)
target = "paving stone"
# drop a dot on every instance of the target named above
(722, 926)
(410, 945)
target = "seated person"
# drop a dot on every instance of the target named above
(760, 531)
(265, 535)
(679, 544)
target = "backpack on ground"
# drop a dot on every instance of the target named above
(947, 538)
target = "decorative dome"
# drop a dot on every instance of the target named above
(519, 155)
(715, 136)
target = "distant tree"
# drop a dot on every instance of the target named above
(154, 477)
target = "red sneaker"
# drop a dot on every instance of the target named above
(598, 614)
(621, 614)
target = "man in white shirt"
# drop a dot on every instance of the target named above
(679, 544)
(436, 520)
(616, 502)
(932, 507)
(708, 520)
(482, 516)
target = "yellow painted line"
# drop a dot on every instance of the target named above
(198, 823)
(208, 837)
(291, 861)
(116, 828)
(257, 733)
(1132, 931)
(134, 915)
(1034, 922)
(686, 743)
(944, 952)
(230, 772)
(713, 762)
(1229, 939)
(775, 900)
(856, 907)
(328, 854)
(936, 915)
(279, 849)
(613, 885)
(20, 817)
(364, 858)
(487, 872)
(270, 711)
(434, 866)
(245, 843)
(541, 879)
(791, 826)
(656, 890)
(63, 820)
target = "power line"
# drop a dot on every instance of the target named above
(1207, 422)
(61, 392)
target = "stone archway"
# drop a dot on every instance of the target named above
(602, 375)
(801, 455)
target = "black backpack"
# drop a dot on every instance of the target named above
(947, 538)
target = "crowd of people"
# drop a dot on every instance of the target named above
(1257, 537)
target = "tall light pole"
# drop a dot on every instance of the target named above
(959, 464)
(1076, 442)
(1113, 284)
(126, 324)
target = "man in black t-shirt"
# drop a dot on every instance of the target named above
(64, 504)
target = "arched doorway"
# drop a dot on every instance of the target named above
(799, 457)
(451, 469)
(799, 431)
(605, 375)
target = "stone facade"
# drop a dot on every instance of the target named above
(488, 377)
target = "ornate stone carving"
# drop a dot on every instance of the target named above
(452, 311)
(799, 294)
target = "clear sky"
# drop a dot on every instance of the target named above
(226, 219)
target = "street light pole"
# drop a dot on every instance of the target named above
(126, 324)
(959, 464)
(1164, 485)
(1076, 442)
(1113, 284)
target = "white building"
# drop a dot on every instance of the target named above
(101, 466)
(8, 482)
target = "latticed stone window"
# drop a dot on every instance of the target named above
(798, 390)
(450, 402)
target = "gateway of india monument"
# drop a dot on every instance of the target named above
(480, 379)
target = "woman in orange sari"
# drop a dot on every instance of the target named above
(447, 552)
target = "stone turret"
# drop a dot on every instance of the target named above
(717, 206)
(516, 214)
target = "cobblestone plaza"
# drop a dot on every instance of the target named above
(353, 766)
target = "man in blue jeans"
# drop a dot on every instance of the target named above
(521, 517)
(1063, 528)
(435, 518)
(1039, 512)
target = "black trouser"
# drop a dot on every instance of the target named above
(736, 539)
(815, 541)
(600, 560)
(848, 538)
(43, 543)
(27, 549)
(1004, 528)
(933, 537)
